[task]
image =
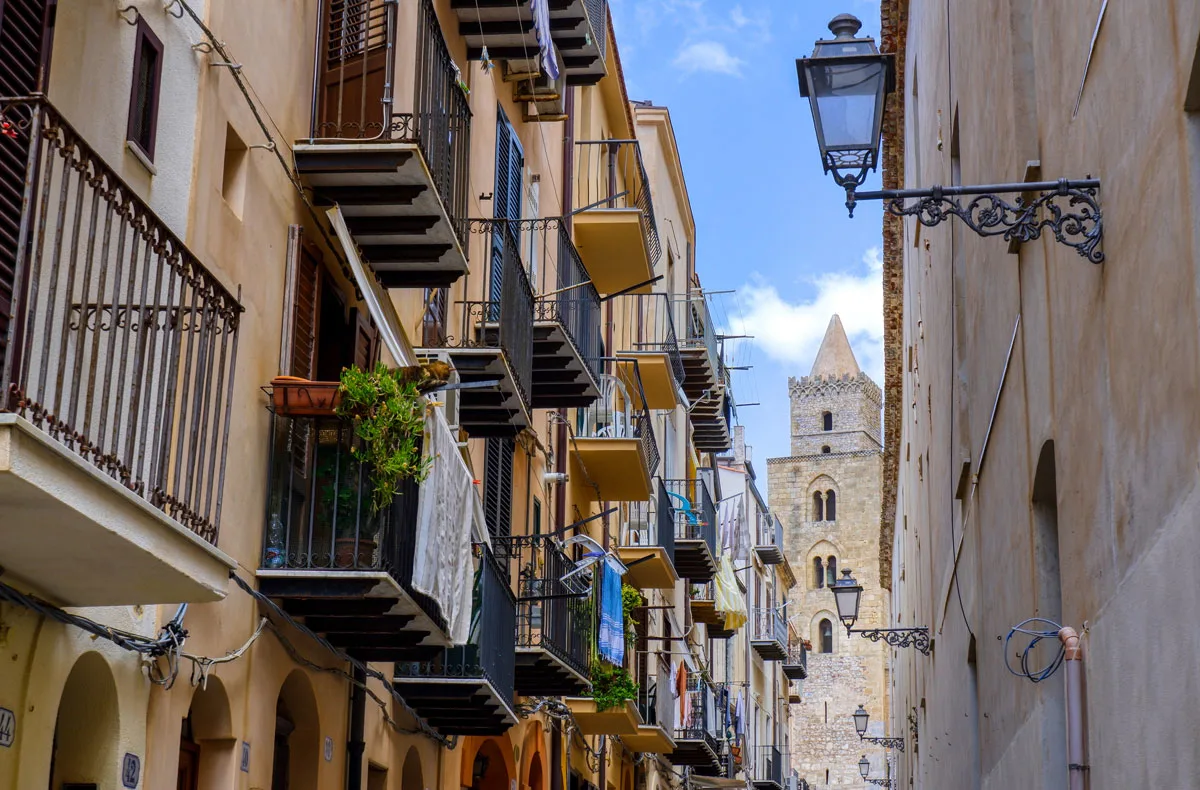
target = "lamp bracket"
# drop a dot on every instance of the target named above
(897, 637)
(1068, 209)
(880, 782)
(887, 743)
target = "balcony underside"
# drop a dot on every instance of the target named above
(577, 41)
(694, 560)
(649, 567)
(365, 613)
(490, 411)
(76, 537)
(506, 27)
(621, 720)
(457, 706)
(696, 752)
(561, 378)
(616, 466)
(720, 632)
(710, 428)
(769, 649)
(767, 784)
(392, 209)
(699, 375)
(705, 611)
(658, 381)
(613, 248)
(540, 673)
(650, 739)
(769, 554)
(795, 671)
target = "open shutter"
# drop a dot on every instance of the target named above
(366, 340)
(506, 197)
(497, 487)
(306, 313)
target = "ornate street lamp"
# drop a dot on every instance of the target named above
(847, 594)
(846, 82)
(861, 718)
(864, 766)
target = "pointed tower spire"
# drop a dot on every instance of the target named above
(835, 358)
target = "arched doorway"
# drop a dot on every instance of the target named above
(206, 743)
(297, 741)
(489, 770)
(87, 730)
(411, 777)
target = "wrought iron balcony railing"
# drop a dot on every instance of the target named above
(696, 328)
(769, 530)
(114, 339)
(695, 513)
(610, 175)
(701, 716)
(770, 625)
(795, 666)
(553, 610)
(768, 765)
(652, 523)
(354, 99)
(615, 415)
(648, 326)
(565, 292)
(504, 317)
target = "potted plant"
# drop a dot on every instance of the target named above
(612, 686)
(292, 396)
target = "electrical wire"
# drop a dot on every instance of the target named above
(1036, 636)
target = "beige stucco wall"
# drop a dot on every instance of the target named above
(1104, 365)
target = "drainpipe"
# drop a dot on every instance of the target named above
(356, 744)
(1073, 663)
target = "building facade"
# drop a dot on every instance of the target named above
(826, 494)
(1041, 455)
(463, 192)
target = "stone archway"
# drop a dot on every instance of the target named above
(87, 729)
(297, 743)
(411, 775)
(488, 764)
(534, 768)
(207, 742)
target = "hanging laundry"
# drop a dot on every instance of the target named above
(611, 640)
(729, 601)
(541, 28)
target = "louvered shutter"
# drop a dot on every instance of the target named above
(306, 311)
(366, 340)
(497, 487)
(506, 197)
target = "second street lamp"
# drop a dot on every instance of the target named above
(861, 717)
(847, 594)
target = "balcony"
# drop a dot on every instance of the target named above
(648, 543)
(770, 636)
(768, 543)
(554, 627)
(695, 529)
(566, 330)
(696, 742)
(494, 341)
(614, 448)
(508, 30)
(647, 334)
(615, 228)
(330, 559)
(656, 707)
(469, 690)
(397, 165)
(768, 768)
(117, 354)
(795, 665)
(704, 380)
(623, 720)
(702, 600)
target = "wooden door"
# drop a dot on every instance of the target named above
(353, 69)
(189, 766)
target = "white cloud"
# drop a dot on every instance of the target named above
(709, 56)
(738, 17)
(790, 333)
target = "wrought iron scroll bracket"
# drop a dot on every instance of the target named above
(887, 743)
(1070, 210)
(880, 782)
(897, 637)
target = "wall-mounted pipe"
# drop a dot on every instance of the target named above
(1073, 664)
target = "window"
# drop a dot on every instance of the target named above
(818, 573)
(818, 507)
(233, 174)
(825, 450)
(827, 421)
(830, 506)
(826, 636)
(143, 94)
(831, 571)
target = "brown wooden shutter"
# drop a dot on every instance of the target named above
(306, 313)
(366, 340)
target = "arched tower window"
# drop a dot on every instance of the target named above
(830, 506)
(826, 636)
(818, 507)
(831, 571)
(818, 573)
(827, 421)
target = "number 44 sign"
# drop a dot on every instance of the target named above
(8, 727)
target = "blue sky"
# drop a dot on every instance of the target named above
(769, 223)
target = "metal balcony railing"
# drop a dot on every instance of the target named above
(769, 530)
(770, 626)
(768, 765)
(648, 325)
(552, 605)
(614, 416)
(797, 657)
(114, 339)
(695, 513)
(706, 591)
(504, 318)
(565, 291)
(353, 98)
(701, 717)
(696, 328)
(652, 523)
(610, 175)
(597, 14)
(488, 655)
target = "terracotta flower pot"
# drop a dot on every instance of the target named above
(343, 556)
(296, 397)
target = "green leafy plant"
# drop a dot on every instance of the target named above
(337, 495)
(389, 417)
(612, 686)
(631, 598)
